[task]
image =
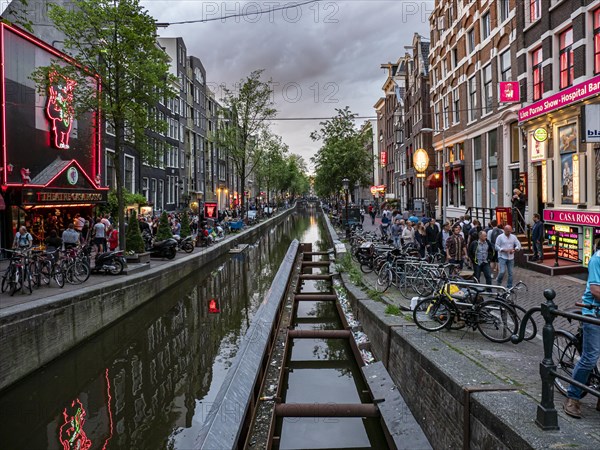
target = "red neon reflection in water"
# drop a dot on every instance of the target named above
(212, 306)
(71, 434)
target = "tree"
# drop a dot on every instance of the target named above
(185, 224)
(115, 39)
(248, 111)
(164, 230)
(342, 154)
(134, 239)
(270, 166)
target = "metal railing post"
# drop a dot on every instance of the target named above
(547, 417)
(529, 237)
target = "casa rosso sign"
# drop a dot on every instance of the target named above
(562, 99)
(572, 217)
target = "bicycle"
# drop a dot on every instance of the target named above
(17, 275)
(566, 351)
(495, 320)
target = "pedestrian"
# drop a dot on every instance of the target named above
(113, 238)
(420, 237)
(70, 237)
(473, 232)
(443, 238)
(493, 235)
(396, 231)
(79, 223)
(433, 233)
(362, 215)
(85, 231)
(23, 239)
(519, 201)
(456, 250)
(408, 234)
(480, 253)
(590, 349)
(53, 242)
(537, 239)
(99, 233)
(385, 223)
(506, 246)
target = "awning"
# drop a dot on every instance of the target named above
(434, 180)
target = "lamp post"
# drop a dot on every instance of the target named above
(444, 186)
(346, 185)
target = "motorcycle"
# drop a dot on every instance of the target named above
(186, 244)
(163, 249)
(109, 262)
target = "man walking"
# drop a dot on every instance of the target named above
(432, 232)
(537, 238)
(480, 253)
(456, 250)
(590, 350)
(506, 246)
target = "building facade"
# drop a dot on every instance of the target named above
(559, 76)
(476, 134)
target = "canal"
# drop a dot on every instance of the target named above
(149, 381)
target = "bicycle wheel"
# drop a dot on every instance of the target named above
(366, 267)
(384, 279)
(59, 275)
(34, 270)
(81, 271)
(46, 272)
(433, 314)
(531, 328)
(26, 279)
(497, 321)
(15, 282)
(566, 356)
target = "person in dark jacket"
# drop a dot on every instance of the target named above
(537, 238)
(433, 233)
(481, 252)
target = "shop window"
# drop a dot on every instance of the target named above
(514, 142)
(535, 10)
(537, 74)
(567, 70)
(597, 41)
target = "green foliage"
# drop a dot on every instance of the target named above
(375, 295)
(112, 206)
(164, 230)
(343, 154)
(18, 15)
(117, 41)
(392, 310)
(134, 241)
(185, 224)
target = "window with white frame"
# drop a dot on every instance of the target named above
(567, 67)
(109, 160)
(129, 181)
(597, 41)
(537, 74)
(436, 116)
(455, 106)
(446, 112)
(160, 195)
(505, 66)
(487, 88)
(486, 26)
(504, 9)
(471, 40)
(109, 128)
(146, 188)
(472, 89)
(153, 191)
(535, 10)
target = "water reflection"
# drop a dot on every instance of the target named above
(148, 381)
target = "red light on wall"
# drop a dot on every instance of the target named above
(383, 158)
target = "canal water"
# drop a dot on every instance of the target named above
(149, 381)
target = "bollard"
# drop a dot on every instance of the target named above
(547, 417)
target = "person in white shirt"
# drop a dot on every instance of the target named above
(506, 246)
(408, 234)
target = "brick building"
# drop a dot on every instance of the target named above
(476, 137)
(559, 74)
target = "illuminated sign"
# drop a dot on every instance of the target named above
(375, 190)
(72, 175)
(568, 241)
(59, 108)
(575, 178)
(538, 149)
(564, 98)
(572, 217)
(509, 91)
(383, 158)
(544, 182)
(210, 210)
(41, 197)
(588, 245)
(420, 161)
(540, 134)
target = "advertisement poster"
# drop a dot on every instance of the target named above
(588, 244)
(566, 179)
(568, 241)
(567, 138)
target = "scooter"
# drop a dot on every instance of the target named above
(109, 262)
(186, 244)
(162, 249)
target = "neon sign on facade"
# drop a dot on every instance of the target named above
(60, 109)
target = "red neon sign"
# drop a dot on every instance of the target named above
(59, 108)
(383, 158)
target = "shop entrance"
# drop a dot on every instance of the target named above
(539, 203)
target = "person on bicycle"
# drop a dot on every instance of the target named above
(23, 239)
(590, 350)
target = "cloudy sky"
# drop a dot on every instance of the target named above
(320, 56)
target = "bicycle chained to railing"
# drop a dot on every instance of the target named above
(566, 347)
(457, 304)
(17, 276)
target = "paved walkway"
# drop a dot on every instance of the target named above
(516, 364)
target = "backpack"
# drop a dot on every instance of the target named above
(23, 239)
(494, 235)
(466, 229)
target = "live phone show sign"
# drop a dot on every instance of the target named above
(572, 217)
(563, 98)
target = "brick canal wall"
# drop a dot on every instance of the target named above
(458, 403)
(35, 333)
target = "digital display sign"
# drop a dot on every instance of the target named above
(568, 241)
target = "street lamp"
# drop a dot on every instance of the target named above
(346, 185)
(444, 186)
